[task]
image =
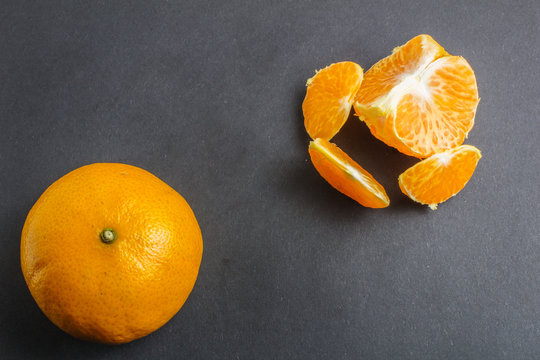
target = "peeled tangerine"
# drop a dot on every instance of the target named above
(419, 99)
(441, 176)
(344, 174)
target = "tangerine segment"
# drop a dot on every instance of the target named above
(329, 98)
(439, 114)
(420, 108)
(345, 175)
(441, 176)
(408, 59)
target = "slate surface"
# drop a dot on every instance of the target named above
(207, 96)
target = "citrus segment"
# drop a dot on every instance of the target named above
(405, 60)
(329, 98)
(419, 100)
(441, 176)
(345, 175)
(440, 115)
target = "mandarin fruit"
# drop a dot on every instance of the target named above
(345, 175)
(110, 252)
(441, 176)
(329, 98)
(419, 99)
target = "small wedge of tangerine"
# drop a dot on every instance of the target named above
(329, 98)
(441, 176)
(419, 99)
(345, 175)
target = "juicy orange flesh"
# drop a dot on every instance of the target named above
(329, 98)
(441, 176)
(345, 175)
(441, 120)
(419, 100)
(405, 60)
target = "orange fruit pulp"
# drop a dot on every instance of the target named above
(329, 98)
(345, 175)
(110, 252)
(419, 99)
(441, 176)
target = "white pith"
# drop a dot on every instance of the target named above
(346, 103)
(443, 157)
(409, 83)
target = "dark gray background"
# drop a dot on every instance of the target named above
(207, 96)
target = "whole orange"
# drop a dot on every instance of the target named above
(110, 252)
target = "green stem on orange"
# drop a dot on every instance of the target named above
(108, 235)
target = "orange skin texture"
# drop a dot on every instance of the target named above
(121, 291)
